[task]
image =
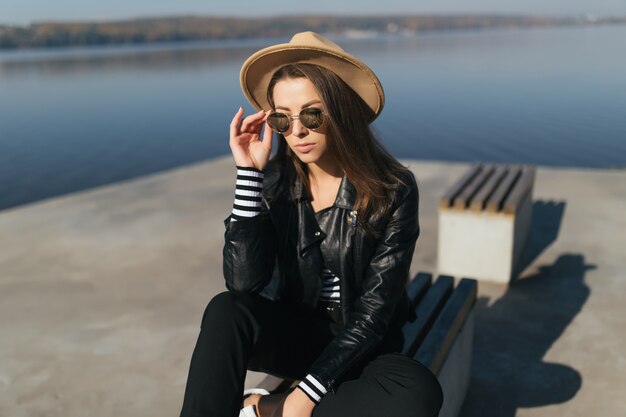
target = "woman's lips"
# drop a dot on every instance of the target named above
(305, 147)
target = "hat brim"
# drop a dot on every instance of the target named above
(259, 68)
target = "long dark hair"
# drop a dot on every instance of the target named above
(370, 168)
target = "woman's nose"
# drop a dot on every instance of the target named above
(298, 129)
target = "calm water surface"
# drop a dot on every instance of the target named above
(74, 119)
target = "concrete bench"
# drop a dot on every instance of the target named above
(442, 334)
(440, 337)
(484, 220)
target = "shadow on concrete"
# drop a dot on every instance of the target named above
(544, 229)
(513, 335)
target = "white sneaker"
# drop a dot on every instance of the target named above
(248, 412)
(251, 391)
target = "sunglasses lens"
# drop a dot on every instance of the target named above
(311, 118)
(278, 121)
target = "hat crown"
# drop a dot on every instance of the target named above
(312, 39)
(309, 48)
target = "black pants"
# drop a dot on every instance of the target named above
(242, 331)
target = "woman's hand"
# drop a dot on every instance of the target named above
(245, 144)
(294, 404)
(298, 404)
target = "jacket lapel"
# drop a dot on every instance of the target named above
(309, 254)
(346, 196)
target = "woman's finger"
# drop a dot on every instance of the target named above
(267, 137)
(234, 124)
(245, 125)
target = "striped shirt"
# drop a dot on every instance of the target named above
(330, 286)
(247, 193)
(312, 388)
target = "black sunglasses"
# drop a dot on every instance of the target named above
(311, 118)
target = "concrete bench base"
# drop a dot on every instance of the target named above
(484, 220)
(482, 245)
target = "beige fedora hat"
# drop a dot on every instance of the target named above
(310, 48)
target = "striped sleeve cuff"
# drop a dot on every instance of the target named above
(312, 388)
(248, 192)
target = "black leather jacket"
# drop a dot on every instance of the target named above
(278, 254)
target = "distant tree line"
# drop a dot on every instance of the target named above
(174, 29)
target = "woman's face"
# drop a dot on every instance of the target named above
(291, 95)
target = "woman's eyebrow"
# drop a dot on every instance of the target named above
(307, 104)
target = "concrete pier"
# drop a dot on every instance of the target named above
(101, 295)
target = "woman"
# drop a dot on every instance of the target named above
(317, 250)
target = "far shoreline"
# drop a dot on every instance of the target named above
(176, 30)
(199, 44)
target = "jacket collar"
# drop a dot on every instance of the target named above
(346, 196)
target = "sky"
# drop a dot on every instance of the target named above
(27, 11)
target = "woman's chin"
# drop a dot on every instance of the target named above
(308, 158)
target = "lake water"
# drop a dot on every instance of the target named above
(74, 119)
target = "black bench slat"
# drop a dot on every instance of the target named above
(497, 198)
(426, 313)
(450, 195)
(417, 287)
(480, 199)
(434, 349)
(521, 189)
(463, 199)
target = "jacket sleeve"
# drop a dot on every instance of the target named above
(249, 239)
(382, 286)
